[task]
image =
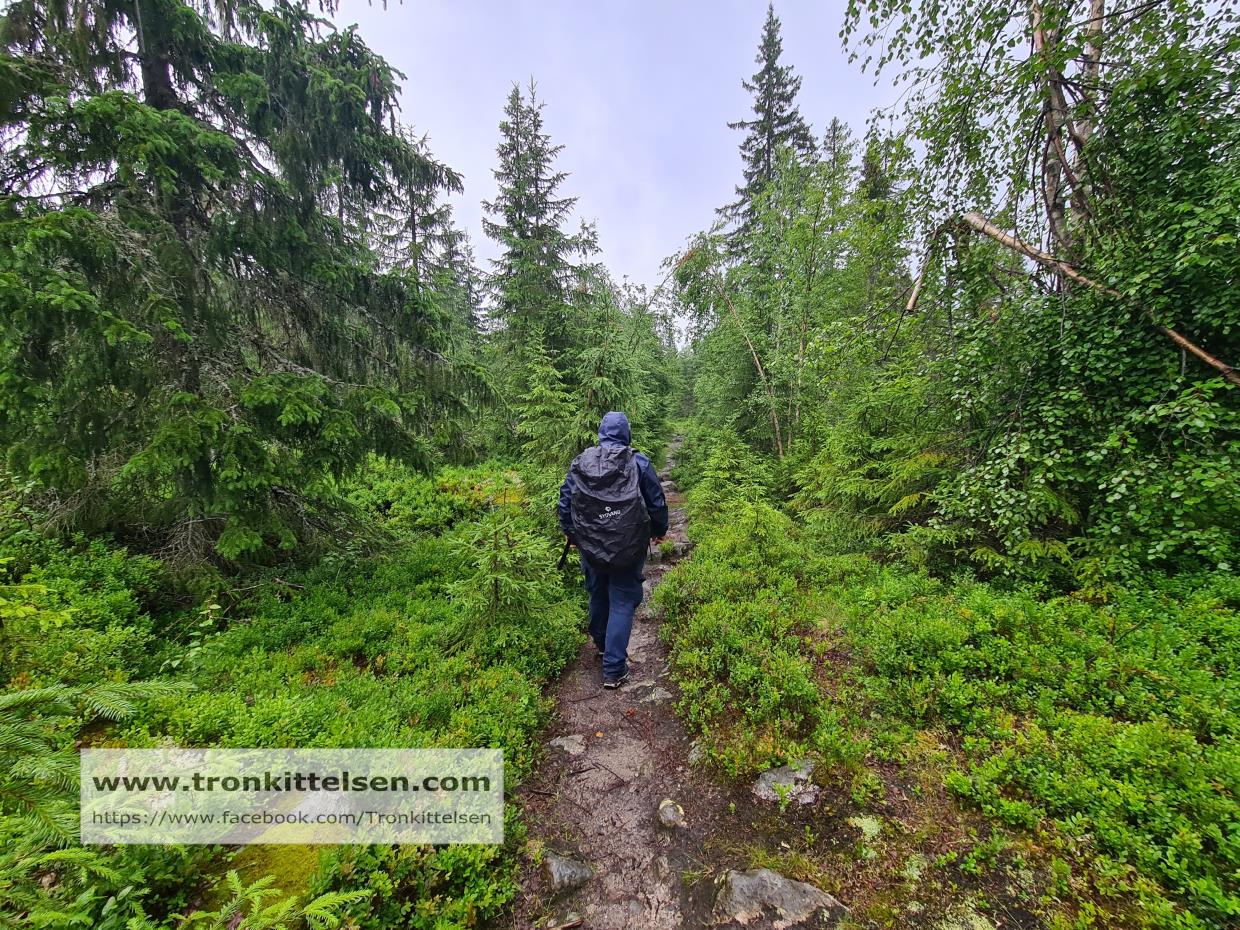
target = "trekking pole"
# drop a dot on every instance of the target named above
(568, 544)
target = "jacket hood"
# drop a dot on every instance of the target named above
(614, 430)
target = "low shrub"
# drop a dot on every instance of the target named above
(441, 632)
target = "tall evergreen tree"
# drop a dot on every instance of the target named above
(195, 330)
(838, 146)
(532, 278)
(415, 236)
(876, 180)
(777, 122)
(460, 277)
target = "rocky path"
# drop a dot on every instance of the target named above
(612, 858)
(622, 813)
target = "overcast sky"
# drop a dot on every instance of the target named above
(639, 93)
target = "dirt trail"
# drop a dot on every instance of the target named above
(613, 757)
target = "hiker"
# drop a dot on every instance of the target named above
(611, 505)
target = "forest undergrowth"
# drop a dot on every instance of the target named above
(279, 455)
(1095, 731)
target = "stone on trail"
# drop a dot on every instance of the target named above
(649, 612)
(697, 752)
(671, 814)
(564, 873)
(574, 745)
(791, 781)
(656, 695)
(744, 897)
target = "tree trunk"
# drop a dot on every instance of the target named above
(766, 383)
(984, 226)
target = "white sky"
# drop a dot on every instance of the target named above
(639, 93)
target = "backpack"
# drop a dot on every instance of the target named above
(611, 525)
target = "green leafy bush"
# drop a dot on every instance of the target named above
(1117, 722)
(74, 613)
(444, 634)
(1105, 721)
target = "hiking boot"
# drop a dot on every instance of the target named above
(612, 683)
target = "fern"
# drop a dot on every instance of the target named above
(247, 909)
(38, 769)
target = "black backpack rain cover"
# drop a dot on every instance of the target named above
(611, 525)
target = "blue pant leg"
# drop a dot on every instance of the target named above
(600, 604)
(625, 595)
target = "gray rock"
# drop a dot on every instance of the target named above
(574, 745)
(747, 896)
(671, 814)
(662, 868)
(697, 753)
(791, 781)
(656, 695)
(564, 873)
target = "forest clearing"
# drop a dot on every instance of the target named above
(931, 448)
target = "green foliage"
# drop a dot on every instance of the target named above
(445, 637)
(1014, 422)
(197, 333)
(717, 468)
(247, 909)
(877, 467)
(737, 617)
(422, 887)
(549, 415)
(74, 614)
(1115, 722)
(1107, 726)
(45, 879)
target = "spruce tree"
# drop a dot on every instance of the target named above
(777, 122)
(416, 236)
(198, 333)
(876, 182)
(546, 413)
(532, 279)
(838, 147)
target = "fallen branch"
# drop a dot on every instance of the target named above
(979, 223)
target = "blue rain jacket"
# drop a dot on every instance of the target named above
(614, 431)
